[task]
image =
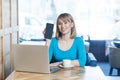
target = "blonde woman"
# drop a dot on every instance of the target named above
(65, 45)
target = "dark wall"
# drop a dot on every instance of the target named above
(97, 47)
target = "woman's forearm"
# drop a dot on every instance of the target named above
(74, 63)
(47, 43)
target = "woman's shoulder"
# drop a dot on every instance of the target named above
(78, 38)
(54, 39)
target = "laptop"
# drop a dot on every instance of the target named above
(32, 58)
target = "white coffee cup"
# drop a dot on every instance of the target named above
(67, 63)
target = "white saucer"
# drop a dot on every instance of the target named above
(61, 66)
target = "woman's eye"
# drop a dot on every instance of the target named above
(59, 24)
(65, 22)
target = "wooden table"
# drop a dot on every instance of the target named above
(76, 73)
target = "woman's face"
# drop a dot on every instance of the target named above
(64, 26)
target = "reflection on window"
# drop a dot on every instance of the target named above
(92, 17)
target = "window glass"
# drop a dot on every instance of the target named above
(92, 17)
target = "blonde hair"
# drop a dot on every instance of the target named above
(65, 17)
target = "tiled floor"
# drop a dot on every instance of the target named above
(113, 77)
(105, 68)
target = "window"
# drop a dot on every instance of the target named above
(96, 18)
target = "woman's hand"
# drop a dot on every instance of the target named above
(75, 63)
(47, 43)
(44, 31)
(56, 64)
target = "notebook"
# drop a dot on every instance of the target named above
(32, 58)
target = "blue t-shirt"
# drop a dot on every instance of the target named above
(75, 52)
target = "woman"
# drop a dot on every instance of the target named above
(66, 45)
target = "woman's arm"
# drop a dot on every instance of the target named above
(47, 42)
(51, 48)
(56, 63)
(81, 52)
(74, 62)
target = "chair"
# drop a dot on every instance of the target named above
(114, 60)
(91, 60)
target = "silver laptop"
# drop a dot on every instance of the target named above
(32, 58)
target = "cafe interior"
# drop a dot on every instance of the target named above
(96, 21)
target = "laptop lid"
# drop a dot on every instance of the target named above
(31, 58)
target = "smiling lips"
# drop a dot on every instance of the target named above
(63, 30)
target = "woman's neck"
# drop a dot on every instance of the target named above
(65, 42)
(65, 37)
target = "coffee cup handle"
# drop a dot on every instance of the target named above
(61, 65)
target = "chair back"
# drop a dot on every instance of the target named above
(114, 57)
